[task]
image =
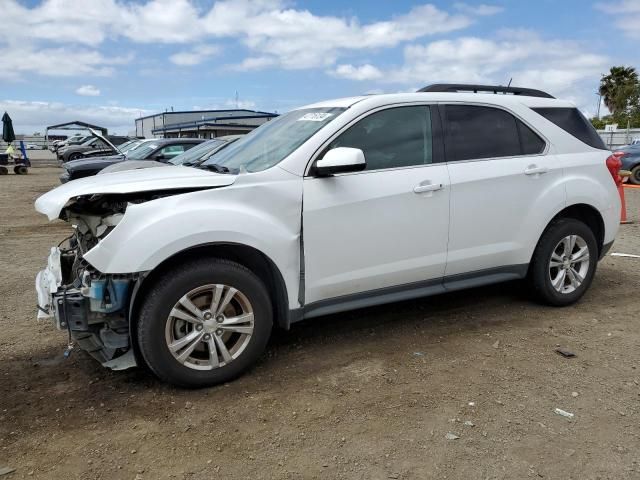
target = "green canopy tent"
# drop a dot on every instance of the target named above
(8, 135)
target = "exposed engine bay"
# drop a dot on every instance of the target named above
(91, 306)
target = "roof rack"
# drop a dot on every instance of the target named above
(461, 87)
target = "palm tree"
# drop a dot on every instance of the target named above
(618, 88)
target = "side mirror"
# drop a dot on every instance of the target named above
(159, 157)
(340, 160)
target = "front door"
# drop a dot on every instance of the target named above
(387, 225)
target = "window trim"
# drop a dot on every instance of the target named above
(443, 116)
(437, 146)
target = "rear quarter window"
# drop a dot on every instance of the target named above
(573, 122)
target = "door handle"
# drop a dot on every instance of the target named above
(427, 187)
(535, 170)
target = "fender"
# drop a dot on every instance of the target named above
(264, 216)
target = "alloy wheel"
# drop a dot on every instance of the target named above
(569, 264)
(209, 326)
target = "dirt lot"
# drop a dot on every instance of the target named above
(370, 394)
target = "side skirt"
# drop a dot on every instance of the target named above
(410, 291)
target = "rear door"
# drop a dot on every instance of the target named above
(503, 175)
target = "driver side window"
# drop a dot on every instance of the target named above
(392, 138)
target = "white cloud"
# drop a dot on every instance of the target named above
(88, 91)
(525, 57)
(363, 72)
(275, 33)
(626, 14)
(32, 116)
(195, 56)
(563, 68)
(481, 10)
(58, 62)
(298, 39)
(90, 23)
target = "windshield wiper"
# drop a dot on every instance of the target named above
(214, 167)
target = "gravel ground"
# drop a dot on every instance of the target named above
(370, 394)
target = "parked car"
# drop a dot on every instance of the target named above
(122, 150)
(114, 148)
(191, 157)
(74, 152)
(32, 146)
(58, 145)
(630, 157)
(338, 205)
(161, 150)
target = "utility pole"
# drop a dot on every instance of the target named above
(599, 103)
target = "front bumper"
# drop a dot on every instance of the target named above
(93, 308)
(65, 177)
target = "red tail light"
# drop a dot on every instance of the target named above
(614, 164)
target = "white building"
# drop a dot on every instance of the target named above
(200, 123)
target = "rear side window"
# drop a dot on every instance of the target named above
(475, 132)
(573, 122)
(531, 142)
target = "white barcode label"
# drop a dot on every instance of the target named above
(315, 117)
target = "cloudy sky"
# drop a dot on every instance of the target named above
(110, 61)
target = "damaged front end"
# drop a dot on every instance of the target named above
(92, 306)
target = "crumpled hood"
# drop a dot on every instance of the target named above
(146, 180)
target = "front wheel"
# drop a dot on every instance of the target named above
(204, 323)
(74, 156)
(564, 262)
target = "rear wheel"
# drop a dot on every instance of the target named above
(204, 323)
(564, 262)
(3, 171)
(74, 156)
(20, 170)
(635, 175)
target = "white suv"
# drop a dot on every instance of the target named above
(338, 205)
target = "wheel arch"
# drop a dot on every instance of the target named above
(250, 257)
(587, 214)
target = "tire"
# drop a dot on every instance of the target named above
(635, 175)
(541, 270)
(74, 156)
(3, 171)
(20, 170)
(158, 324)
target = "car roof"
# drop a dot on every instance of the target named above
(488, 98)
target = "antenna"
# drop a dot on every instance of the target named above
(510, 80)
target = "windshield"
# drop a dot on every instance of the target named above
(142, 151)
(197, 152)
(272, 142)
(127, 145)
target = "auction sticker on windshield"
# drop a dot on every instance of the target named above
(315, 117)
